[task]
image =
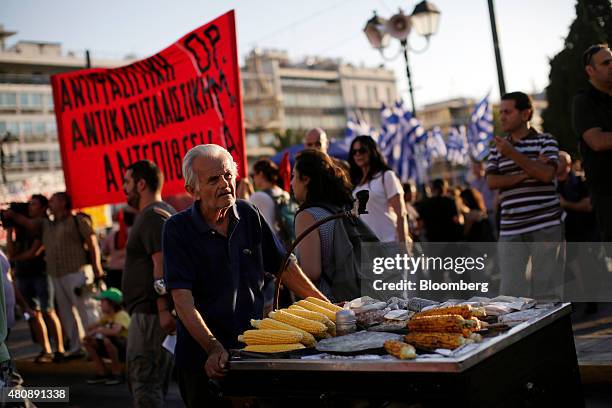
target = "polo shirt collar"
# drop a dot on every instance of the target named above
(198, 220)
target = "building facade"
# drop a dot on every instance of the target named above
(283, 97)
(27, 120)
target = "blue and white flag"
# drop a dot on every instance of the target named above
(457, 146)
(399, 137)
(480, 131)
(436, 147)
(357, 127)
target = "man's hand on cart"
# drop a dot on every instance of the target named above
(216, 364)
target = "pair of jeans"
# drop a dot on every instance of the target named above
(532, 264)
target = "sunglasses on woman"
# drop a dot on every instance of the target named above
(361, 150)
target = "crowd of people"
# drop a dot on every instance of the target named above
(203, 273)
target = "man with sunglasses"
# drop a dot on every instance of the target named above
(592, 121)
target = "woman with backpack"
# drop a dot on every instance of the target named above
(321, 188)
(386, 208)
(273, 202)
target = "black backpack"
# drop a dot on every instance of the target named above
(343, 271)
(284, 213)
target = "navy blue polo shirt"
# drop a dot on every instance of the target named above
(224, 274)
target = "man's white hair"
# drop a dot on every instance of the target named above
(210, 151)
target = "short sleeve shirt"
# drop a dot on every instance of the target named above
(144, 240)
(593, 109)
(224, 274)
(121, 317)
(531, 205)
(381, 219)
(63, 241)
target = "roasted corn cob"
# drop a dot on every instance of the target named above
(270, 324)
(432, 341)
(400, 349)
(252, 337)
(316, 308)
(440, 324)
(273, 348)
(322, 303)
(296, 307)
(310, 326)
(316, 316)
(464, 311)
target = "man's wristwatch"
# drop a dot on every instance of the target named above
(160, 286)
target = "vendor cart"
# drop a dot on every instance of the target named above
(533, 364)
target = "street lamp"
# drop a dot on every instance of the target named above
(8, 139)
(424, 18)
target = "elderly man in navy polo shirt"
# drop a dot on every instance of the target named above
(215, 255)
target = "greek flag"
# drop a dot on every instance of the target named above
(436, 147)
(480, 131)
(357, 127)
(457, 146)
(398, 140)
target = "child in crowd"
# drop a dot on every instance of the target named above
(108, 338)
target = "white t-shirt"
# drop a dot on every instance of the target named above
(381, 218)
(266, 205)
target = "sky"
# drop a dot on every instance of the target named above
(459, 61)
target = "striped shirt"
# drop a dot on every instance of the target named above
(530, 205)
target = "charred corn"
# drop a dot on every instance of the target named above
(270, 324)
(253, 337)
(440, 324)
(310, 326)
(432, 341)
(399, 349)
(316, 308)
(273, 348)
(324, 304)
(316, 316)
(464, 311)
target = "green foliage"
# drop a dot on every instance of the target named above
(593, 24)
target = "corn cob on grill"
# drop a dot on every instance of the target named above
(440, 324)
(270, 324)
(400, 349)
(464, 311)
(324, 304)
(316, 308)
(253, 337)
(316, 316)
(432, 341)
(310, 326)
(273, 348)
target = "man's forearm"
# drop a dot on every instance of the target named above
(598, 140)
(191, 318)
(498, 181)
(534, 168)
(299, 283)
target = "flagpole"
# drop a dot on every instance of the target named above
(405, 49)
(498, 61)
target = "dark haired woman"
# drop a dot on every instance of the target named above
(317, 180)
(266, 179)
(386, 208)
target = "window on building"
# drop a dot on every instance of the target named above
(355, 94)
(27, 128)
(375, 90)
(8, 99)
(39, 128)
(49, 101)
(390, 97)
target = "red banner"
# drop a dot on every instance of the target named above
(157, 109)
